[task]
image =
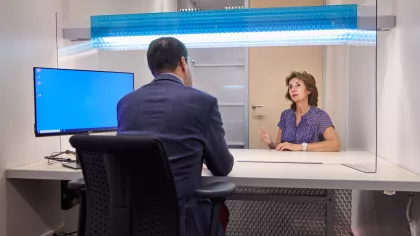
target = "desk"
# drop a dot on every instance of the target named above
(330, 175)
(304, 193)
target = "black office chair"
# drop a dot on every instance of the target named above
(130, 190)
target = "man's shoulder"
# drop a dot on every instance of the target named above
(198, 94)
(181, 93)
(126, 97)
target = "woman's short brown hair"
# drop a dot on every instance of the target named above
(310, 85)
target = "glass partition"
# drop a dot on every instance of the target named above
(350, 93)
(345, 76)
(337, 46)
(73, 54)
(74, 49)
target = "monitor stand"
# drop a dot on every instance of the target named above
(73, 165)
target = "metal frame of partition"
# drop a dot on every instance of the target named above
(246, 91)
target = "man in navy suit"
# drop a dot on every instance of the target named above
(188, 122)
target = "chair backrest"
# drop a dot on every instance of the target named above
(97, 191)
(134, 174)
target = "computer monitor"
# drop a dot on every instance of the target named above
(77, 101)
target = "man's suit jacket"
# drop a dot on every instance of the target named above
(188, 122)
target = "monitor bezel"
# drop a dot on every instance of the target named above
(81, 131)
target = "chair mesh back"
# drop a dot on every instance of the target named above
(142, 194)
(97, 194)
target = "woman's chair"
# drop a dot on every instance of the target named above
(128, 188)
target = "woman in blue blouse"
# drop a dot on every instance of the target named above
(303, 127)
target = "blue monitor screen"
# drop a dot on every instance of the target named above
(77, 101)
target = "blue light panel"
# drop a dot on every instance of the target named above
(286, 26)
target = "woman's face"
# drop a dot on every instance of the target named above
(297, 90)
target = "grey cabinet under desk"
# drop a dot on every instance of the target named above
(289, 212)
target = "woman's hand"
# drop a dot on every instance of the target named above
(288, 147)
(265, 137)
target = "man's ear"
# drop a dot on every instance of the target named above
(183, 64)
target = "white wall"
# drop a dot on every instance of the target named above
(79, 11)
(398, 85)
(27, 40)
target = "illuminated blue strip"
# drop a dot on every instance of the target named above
(331, 17)
(287, 26)
(254, 39)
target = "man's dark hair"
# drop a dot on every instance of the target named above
(164, 54)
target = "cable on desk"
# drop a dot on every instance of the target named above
(55, 157)
(408, 212)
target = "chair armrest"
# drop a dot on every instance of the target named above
(76, 184)
(217, 190)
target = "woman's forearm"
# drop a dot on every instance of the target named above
(324, 146)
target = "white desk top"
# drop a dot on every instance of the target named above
(331, 174)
